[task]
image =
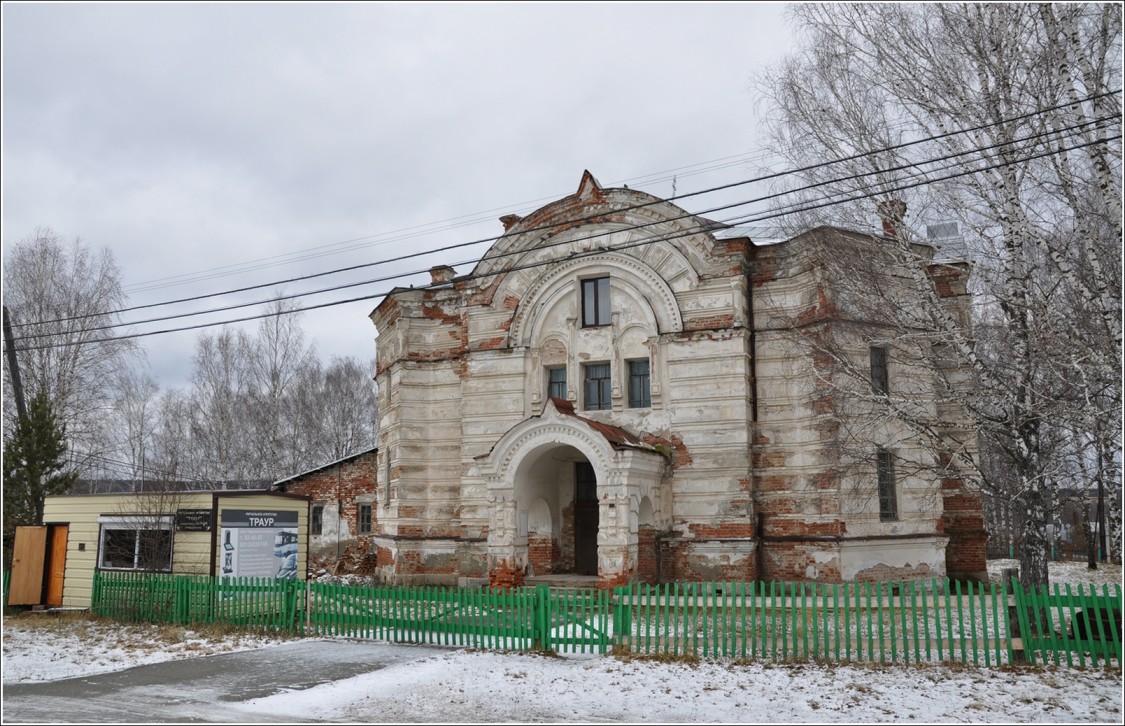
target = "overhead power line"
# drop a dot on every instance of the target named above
(700, 228)
(420, 230)
(710, 190)
(686, 215)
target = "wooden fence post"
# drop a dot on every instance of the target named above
(1011, 575)
(622, 605)
(542, 619)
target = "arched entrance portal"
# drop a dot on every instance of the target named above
(563, 494)
(556, 492)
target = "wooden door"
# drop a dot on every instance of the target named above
(56, 567)
(28, 556)
(585, 519)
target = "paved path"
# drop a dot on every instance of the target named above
(201, 689)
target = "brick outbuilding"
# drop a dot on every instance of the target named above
(342, 505)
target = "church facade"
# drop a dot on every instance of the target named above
(613, 392)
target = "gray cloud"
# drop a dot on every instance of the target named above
(189, 137)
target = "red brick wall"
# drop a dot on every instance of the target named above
(543, 554)
(963, 521)
(790, 561)
(341, 485)
(680, 564)
(646, 554)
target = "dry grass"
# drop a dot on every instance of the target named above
(135, 636)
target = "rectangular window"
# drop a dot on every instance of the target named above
(316, 526)
(598, 387)
(136, 543)
(638, 384)
(879, 380)
(556, 383)
(364, 519)
(595, 302)
(888, 496)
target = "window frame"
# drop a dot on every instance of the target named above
(316, 519)
(553, 384)
(880, 377)
(596, 307)
(887, 485)
(643, 397)
(363, 524)
(604, 386)
(138, 524)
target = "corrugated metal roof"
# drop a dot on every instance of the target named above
(616, 436)
(280, 482)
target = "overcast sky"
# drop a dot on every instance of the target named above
(212, 146)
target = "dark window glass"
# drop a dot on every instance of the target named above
(119, 548)
(595, 302)
(879, 381)
(638, 384)
(154, 549)
(598, 387)
(888, 496)
(136, 549)
(365, 519)
(316, 526)
(556, 382)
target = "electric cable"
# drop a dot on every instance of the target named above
(710, 190)
(686, 215)
(696, 230)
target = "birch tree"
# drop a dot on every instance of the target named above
(348, 410)
(133, 421)
(59, 294)
(220, 399)
(1039, 85)
(278, 358)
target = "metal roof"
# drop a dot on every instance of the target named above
(617, 437)
(280, 482)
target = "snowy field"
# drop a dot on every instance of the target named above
(485, 687)
(1072, 572)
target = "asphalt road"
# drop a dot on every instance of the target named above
(201, 690)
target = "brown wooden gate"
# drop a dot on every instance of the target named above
(28, 560)
(56, 568)
(38, 565)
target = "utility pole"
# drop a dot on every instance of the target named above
(13, 366)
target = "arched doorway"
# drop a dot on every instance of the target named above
(556, 495)
(585, 519)
(563, 493)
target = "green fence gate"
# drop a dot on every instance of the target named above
(1071, 625)
(884, 622)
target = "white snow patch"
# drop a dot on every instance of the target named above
(488, 687)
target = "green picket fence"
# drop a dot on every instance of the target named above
(184, 599)
(478, 618)
(577, 621)
(1071, 626)
(902, 622)
(882, 622)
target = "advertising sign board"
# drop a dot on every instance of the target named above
(258, 543)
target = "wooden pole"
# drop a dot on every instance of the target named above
(13, 366)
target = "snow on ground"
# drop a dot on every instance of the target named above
(1074, 572)
(485, 687)
(50, 646)
(481, 687)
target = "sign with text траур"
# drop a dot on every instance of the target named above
(258, 543)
